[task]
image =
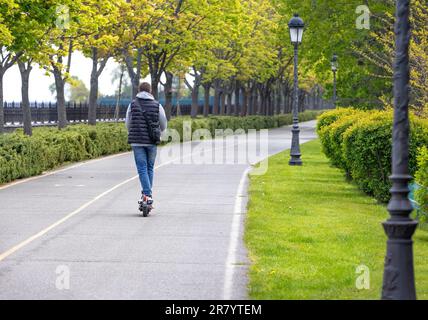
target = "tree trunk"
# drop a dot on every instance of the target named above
(286, 99)
(265, 104)
(261, 104)
(5, 64)
(217, 93)
(257, 100)
(229, 107)
(255, 103)
(1, 104)
(168, 94)
(178, 113)
(251, 102)
(155, 86)
(60, 97)
(195, 101)
(302, 97)
(244, 110)
(135, 84)
(25, 70)
(237, 97)
(134, 75)
(93, 94)
(223, 102)
(207, 88)
(278, 99)
(119, 95)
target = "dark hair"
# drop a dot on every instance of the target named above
(146, 87)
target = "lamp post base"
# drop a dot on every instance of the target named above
(398, 277)
(296, 162)
(295, 154)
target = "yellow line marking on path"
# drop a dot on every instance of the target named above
(61, 221)
(19, 246)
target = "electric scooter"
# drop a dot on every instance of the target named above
(144, 208)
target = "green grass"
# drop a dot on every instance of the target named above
(308, 229)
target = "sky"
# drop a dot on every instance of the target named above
(39, 82)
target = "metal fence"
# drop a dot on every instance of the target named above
(46, 113)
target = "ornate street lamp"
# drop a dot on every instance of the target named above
(296, 26)
(334, 68)
(398, 278)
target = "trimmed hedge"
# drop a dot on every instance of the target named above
(422, 179)
(359, 142)
(251, 122)
(22, 156)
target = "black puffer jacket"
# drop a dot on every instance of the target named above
(138, 130)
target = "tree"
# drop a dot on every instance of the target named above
(36, 24)
(194, 56)
(119, 74)
(331, 28)
(58, 49)
(261, 57)
(100, 43)
(177, 32)
(77, 90)
(241, 54)
(30, 20)
(224, 53)
(6, 36)
(8, 10)
(137, 17)
(380, 52)
(25, 69)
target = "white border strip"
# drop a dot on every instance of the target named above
(234, 237)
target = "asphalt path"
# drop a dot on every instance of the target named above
(76, 233)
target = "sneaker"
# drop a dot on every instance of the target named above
(149, 201)
(142, 200)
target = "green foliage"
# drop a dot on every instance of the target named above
(367, 152)
(333, 137)
(246, 123)
(331, 28)
(22, 156)
(328, 118)
(6, 36)
(359, 142)
(324, 121)
(77, 91)
(422, 179)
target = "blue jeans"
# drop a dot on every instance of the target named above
(145, 158)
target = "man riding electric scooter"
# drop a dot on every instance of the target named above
(145, 120)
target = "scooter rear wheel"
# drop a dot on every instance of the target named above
(145, 211)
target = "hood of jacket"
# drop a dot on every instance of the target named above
(145, 95)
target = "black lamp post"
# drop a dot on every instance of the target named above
(398, 278)
(334, 68)
(296, 26)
